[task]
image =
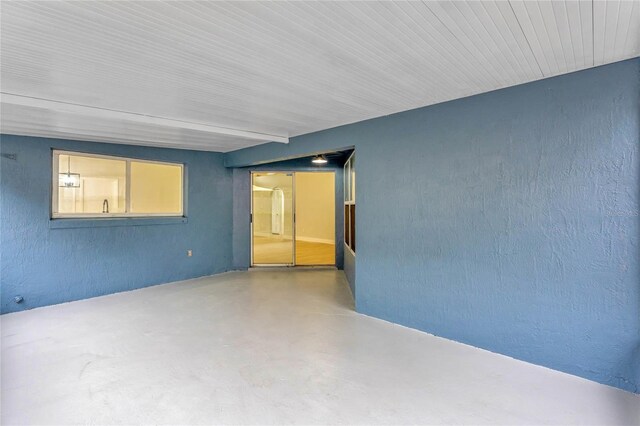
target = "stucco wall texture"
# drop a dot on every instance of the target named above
(507, 220)
(47, 264)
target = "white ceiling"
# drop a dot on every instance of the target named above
(225, 75)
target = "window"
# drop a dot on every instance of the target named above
(88, 185)
(350, 203)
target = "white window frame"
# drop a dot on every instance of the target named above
(349, 198)
(55, 182)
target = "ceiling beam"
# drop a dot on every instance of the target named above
(89, 111)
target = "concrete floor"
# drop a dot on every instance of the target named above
(269, 347)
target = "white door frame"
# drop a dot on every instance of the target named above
(293, 210)
(293, 213)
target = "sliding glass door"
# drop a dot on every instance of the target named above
(293, 218)
(272, 217)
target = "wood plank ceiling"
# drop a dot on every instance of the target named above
(226, 75)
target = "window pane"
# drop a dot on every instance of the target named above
(90, 185)
(347, 231)
(156, 188)
(352, 226)
(352, 181)
(347, 181)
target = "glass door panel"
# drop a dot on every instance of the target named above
(315, 218)
(272, 218)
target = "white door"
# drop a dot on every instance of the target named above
(277, 211)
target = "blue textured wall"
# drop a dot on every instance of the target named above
(507, 220)
(241, 224)
(47, 264)
(349, 266)
(242, 206)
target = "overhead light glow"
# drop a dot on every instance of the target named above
(319, 159)
(69, 180)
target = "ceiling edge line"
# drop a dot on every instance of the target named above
(85, 110)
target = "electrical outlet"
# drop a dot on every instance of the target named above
(189, 253)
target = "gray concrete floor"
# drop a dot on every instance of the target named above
(269, 347)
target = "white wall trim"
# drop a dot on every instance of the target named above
(298, 237)
(315, 240)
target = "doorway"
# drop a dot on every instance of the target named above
(293, 218)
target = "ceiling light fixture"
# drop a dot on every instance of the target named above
(319, 159)
(69, 180)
